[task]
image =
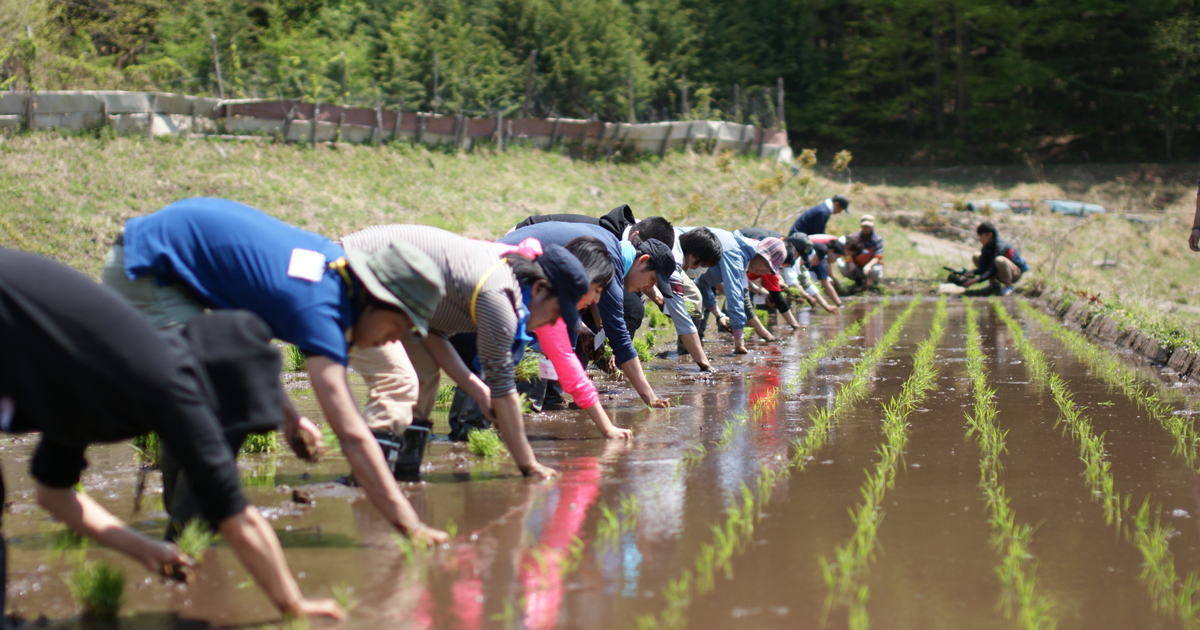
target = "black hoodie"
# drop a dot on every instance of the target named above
(997, 247)
(616, 221)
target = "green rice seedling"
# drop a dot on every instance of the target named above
(344, 594)
(98, 589)
(69, 540)
(527, 369)
(526, 404)
(845, 574)
(692, 456)
(451, 528)
(445, 396)
(643, 349)
(657, 319)
(651, 337)
(293, 358)
(260, 443)
(149, 449)
(574, 556)
(629, 512)
(329, 438)
(194, 539)
(1147, 534)
(485, 443)
(608, 529)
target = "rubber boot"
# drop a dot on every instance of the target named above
(465, 416)
(404, 452)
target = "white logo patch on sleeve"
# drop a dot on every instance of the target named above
(307, 265)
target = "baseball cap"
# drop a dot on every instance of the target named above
(803, 245)
(403, 276)
(570, 281)
(773, 251)
(844, 200)
(663, 262)
(867, 221)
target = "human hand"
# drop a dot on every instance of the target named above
(660, 403)
(324, 607)
(537, 470)
(832, 309)
(167, 560)
(482, 394)
(617, 433)
(425, 536)
(305, 440)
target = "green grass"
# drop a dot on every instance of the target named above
(149, 449)
(194, 539)
(293, 358)
(485, 443)
(98, 589)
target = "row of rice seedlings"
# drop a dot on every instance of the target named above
(809, 361)
(844, 576)
(1169, 593)
(691, 457)
(1120, 377)
(611, 526)
(1017, 570)
(734, 533)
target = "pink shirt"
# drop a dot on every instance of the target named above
(554, 338)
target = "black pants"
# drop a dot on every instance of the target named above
(3, 559)
(179, 499)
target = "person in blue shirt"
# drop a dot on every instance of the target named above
(205, 253)
(813, 220)
(640, 266)
(739, 256)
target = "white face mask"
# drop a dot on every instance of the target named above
(697, 272)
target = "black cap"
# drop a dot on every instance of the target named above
(663, 263)
(820, 250)
(570, 280)
(803, 246)
(844, 200)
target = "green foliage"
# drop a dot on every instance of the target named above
(261, 443)
(149, 449)
(445, 396)
(485, 443)
(656, 319)
(194, 539)
(527, 369)
(69, 540)
(293, 359)
(643, 349)
(98, 589)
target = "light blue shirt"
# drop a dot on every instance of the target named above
(737, 252)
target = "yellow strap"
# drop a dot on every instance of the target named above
(479, 285)
(339, 266)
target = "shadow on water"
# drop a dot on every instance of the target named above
(600, 547)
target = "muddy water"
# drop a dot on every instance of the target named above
(934, 566)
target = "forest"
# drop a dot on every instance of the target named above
(925, 82)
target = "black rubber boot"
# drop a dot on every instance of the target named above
(465, 416)
(404, 452)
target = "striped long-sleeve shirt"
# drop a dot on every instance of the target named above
(463, 264)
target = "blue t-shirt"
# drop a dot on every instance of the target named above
(820, 271)
(233, 256)
(612, 301)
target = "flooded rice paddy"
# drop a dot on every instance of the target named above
(903, 465)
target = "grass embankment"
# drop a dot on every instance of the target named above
(1179, 598)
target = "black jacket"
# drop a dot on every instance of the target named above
(82, 366)
(616, 221)
(997, 247)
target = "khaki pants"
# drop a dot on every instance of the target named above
(402, 382)
(850, 269)
(163, 307)
(1007, 271)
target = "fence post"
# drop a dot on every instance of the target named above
(688, 142)
(781, 123)
(553, 135)
(378, 125)
(612, 143)
(687, 110)
(508, 134)
(150, 116)
(499, 134)
(528, 105)
(457, 124)
(716, 136)
(399, 119)
(737, 104)
(666, 138)
(762, 138)
(104, 122)
(420, 135)
(632, 113)
(315, 119)
(216, 60)
(193, 128)
(288, 119)
(30, 111)
(742, 140)
(337, 137)
(436, 99)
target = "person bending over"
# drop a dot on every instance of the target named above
(798, 274)
(739, 257)
(81, 367)
(865, 263)
(332, 303)
(998, 262)
(814, 220)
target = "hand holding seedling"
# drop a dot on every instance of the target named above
(167, 560)
(427, 536)
(537, 470)
(305, 440)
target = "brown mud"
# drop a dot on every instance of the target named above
(511, 564)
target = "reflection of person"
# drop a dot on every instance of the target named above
(798, 274)
(641, 266)
(864, 260)
(82, 367)
(212, 253)
(998, 262)
(814, 220)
